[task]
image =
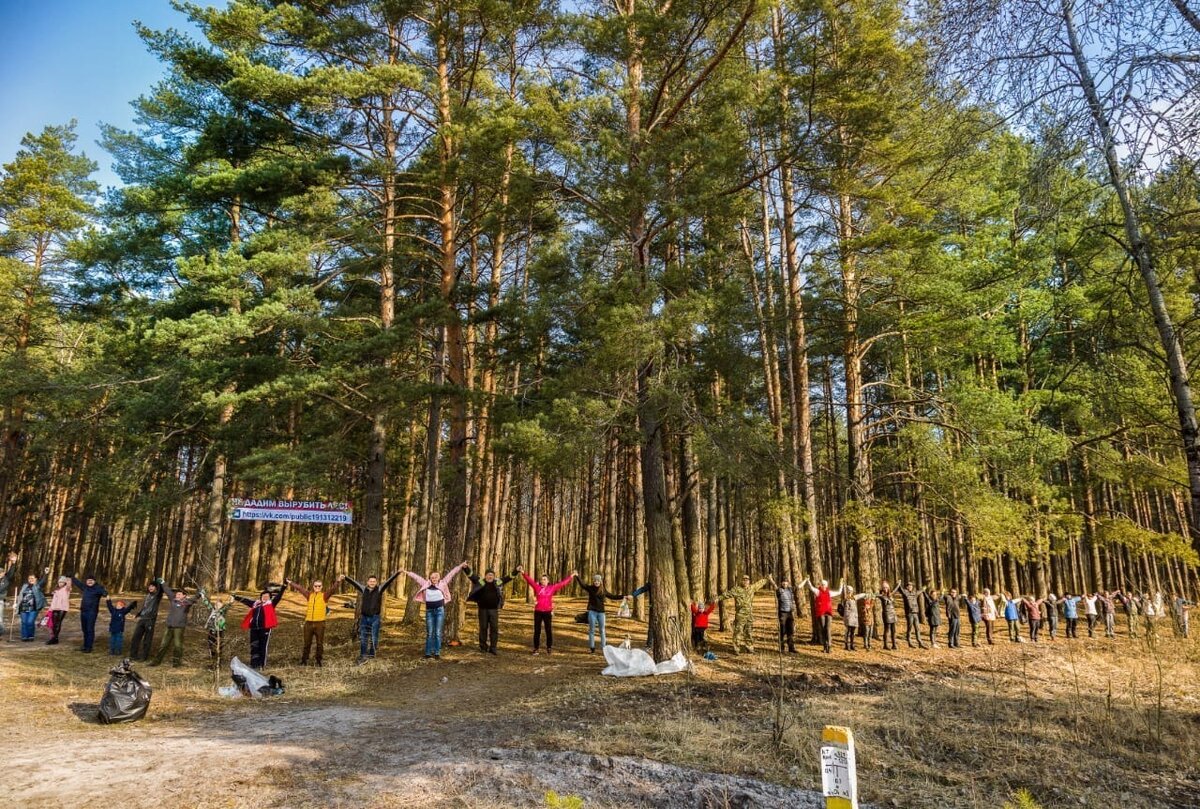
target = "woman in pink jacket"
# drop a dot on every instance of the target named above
(434, 593)
(60, 603)
(543, 607)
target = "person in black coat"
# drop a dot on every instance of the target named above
(488, 596)
(912, 613)
(89, 607)
(933, 614)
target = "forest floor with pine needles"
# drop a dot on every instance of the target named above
(1091, 723)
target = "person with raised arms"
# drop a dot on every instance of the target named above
(434, 593)
(823, 608)
(596, 594)
(316, 609)
(31, 600)
(912, 613)
(488, 596)
(370, 612)
(177, 616)
(89, 607)
(141, 646)
(260, 620)
(60, 605)
(743, 611)
(543, 607)
(887, 611)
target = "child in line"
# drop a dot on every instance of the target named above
(116, 624)
(700, 625)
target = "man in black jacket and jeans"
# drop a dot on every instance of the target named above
(488, 596)
(370, 612)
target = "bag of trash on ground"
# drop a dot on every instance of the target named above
(126, 697)
(250, 683)
(625, 661)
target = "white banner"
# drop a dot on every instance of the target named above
(310, 511)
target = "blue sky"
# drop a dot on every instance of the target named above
(64, 59)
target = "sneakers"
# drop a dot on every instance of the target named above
(536, 652)
(591, 650)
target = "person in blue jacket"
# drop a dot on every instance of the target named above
(116, 624)
(1013, 616)
(31, 600)
(1070, 605)
(89, 607)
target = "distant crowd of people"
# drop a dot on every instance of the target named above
(864, 616)
(867, 615)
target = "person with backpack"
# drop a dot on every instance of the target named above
(434, 593)
(488, 596)
(785, 605)
(89, 608)
(116, 624)
(259, 621)
(31, 600)
(316, 609)
(596, 594)
(887, 610)
(177, 617)
(912, 613)
(214, 625)
(700, 625)
(543, 607)
(370, 612)
(141, 646)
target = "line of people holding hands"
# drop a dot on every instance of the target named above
(868, 615)
(863, 615)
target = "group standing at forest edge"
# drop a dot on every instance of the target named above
(863, 615)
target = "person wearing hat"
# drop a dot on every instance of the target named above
(89, 607)
(595, 609)
(488, 596)
(60, 604)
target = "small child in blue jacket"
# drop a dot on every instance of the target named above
(116, 625)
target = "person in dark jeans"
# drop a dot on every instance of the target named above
(89, 608)
(597, 593)
(31, 600)
(370, 610)
(260, 620)
(785, 603)
(142, 643)
(951, 606)
(116, 624)
(887, 611)
(912, 613)
(543, 607)
(488, 596)
(974, 616)
(933, 613)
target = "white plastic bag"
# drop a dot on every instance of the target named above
(254, 681)
(626, 662)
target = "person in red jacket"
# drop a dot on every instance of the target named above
(700, 624)
(823, 608)
(260, 620)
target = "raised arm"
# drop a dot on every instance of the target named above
(422, 582)
(249, 602)
(277, 596)
(299, 588)
(528, 579)
(558, 585)
(838, 591)
(450, 576)
(166, 588)
(354, 583)
(388, 581)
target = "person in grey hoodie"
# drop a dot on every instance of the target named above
(142, 643)
(177, 617)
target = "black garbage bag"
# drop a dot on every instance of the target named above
(126, 697)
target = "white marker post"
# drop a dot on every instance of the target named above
(839, 777)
